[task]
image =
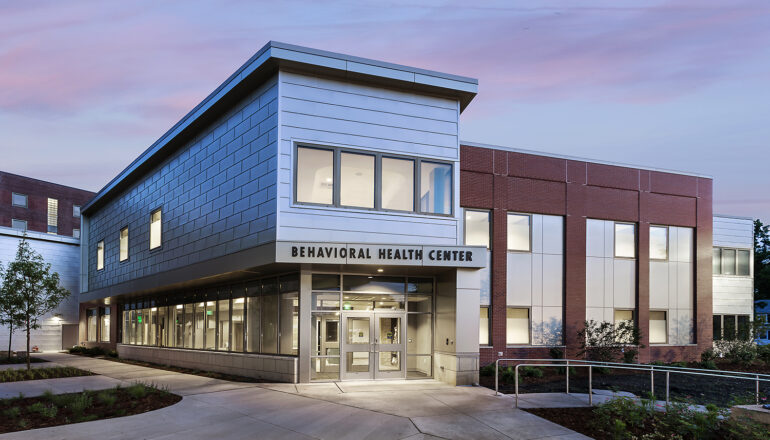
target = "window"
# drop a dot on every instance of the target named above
(223, 326)
(76, 233)
(658, 327)
(717, 261)
(728, 261)
(717, 327)
(75, 211)
(517, 326)
(744, 328)
(732, 327)
(19, 224)
(91, 325)
(742, 262)
(104, 325)
(124, 244)
(623, 316)
(336, 177)
(477, 228)
(53, 214)
(19, 200)
(155, 229)
(357, 180)
(100, 255)
(658, 243)
(732, 262)
(484, 326)
(729, 327)
(435, 188)
(397, 184)
(625, 240)
(519, 232)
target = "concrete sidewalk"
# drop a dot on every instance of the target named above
(210, 408)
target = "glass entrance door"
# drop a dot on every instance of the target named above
(373, 345)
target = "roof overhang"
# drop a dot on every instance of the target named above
(263, 65)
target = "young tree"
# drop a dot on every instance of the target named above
(38, 290)
(10, 307)
(761, 260)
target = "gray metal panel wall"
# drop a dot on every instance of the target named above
(734, 294)
(218, 195)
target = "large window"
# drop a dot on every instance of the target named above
(732, 262)
(477, 228)
(124, 244)
(484, 326)
(658, 327)
(91, 325)
(19, 200)
(517, 326)
(19, 224)
(53, 215)
(732, 327)
(625, 240)
(155, 229)
(357, 180)
(658, 243)
(104, 324)
(397, 184)
(100, 255)
(519, 232)
(623, 317)
(347, 178)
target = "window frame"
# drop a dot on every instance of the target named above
(735, 266)
(26, 224)
(489, 325)
(99, 244)
(78, 233)
(489, 222)
(78, 211)
(160, 241)
(52, 228)
(615, 240)
(668, 242)
(378, 184)
(26, 200)
(668, 323)
(529, 326)
(523, 214)
(128, 247)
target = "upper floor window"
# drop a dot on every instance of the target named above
(732, 262)
(19, 200)
(155, 229)
(19, 224)
(124, 244)
(75, 211)
(658, 243)
(76, 233)
(625, 240)
(53, 215)
(100, 255)
(519, 232)
(477, 228)
(354, 179)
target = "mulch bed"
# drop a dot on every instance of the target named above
(125, 404)
(209, 374)
(5, 360)
(16, 375)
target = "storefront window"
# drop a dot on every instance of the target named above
(198, 325)
(210, 338)
(91, 321)
(289, 315)
(484, 326)
(223, 329)
(188, 325)
(163, 327)
(270, 308)
(104, 324)
(237, 324)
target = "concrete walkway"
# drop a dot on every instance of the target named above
(217, 409)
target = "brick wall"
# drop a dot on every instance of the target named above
(38, 192)
(505, 181)
(217, 194)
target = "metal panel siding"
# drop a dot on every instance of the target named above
(357, 116)
(733, 294)
(733, 232)
(217, 194)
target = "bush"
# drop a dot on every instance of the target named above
(78, 349)
(112, 353)
(763, 353)
(530, 372)
(80, 403)
(137, 391)
(708, 355)
(708, 365)
(12, 412)
(610, 342)
(556, 353)
(107, 397)
(738, 351)
(487, 370)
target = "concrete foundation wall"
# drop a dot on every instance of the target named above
(272, 368)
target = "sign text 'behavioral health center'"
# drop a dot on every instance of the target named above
(380, 254)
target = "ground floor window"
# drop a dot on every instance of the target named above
(732, 327)
(484, 326)
(91, 325)
(658, 327)
(104, 324)
(260, 316)
(623, 317)
(517, 326)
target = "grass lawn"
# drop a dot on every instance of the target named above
(16, 375)
(20, 413)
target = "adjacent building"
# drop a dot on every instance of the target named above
(317, 217)
(48, 215)
(733, 276)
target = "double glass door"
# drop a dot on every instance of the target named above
(373, 345)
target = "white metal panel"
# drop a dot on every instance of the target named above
(684, 291)
(553, 234)
(609, 283)
(609, 239)
(519, 283)
(595, 314)
(733, 232)
(673, 244)
(659, 284)
(685, 244)
(537, 233)
(673, 285)
(536, 318)
(624, 281)
(594, 282)
(594, 238)
(552, 326)
(684, 325)
(538, 276)
(553, 280)
(609, 314)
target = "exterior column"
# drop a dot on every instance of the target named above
(305, 326)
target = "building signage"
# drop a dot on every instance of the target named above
(380, 254)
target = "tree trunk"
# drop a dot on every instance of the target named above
(27, 344)
(10, 340)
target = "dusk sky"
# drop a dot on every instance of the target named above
(86, 86)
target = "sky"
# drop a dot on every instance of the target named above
(86, 86)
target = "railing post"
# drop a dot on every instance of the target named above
(497, 370)
(667, 382)
(516, 382)
(652, 382)
(756, 394)
(567, 376)
(590, 386)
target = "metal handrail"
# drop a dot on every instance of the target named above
(740, 375)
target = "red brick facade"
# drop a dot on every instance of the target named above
(36, 213)
(503, 181)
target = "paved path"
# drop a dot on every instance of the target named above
(217, 409)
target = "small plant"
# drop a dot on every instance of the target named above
(23, 423)
(708, 365)
(487, 370)
(112, 353)
(80, 403)
(12, 412)
(137, 391)
(556, 353)
(738, 351)
(708, 355)
(107, 397)
(531, 372)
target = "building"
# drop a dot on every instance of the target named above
(762, 313)
(318, 218)
(49, 215)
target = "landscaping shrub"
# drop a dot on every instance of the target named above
(487, 370)
(738, 351)
(763, 353)
(708, 365)
(610, 342)
(530, 372)
(77, 349)
(708, 355)
(556, 353)
(137, 391)
(40, 373)
(112, 353)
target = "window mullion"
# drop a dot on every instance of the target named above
(337, 175)
(378, 181)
